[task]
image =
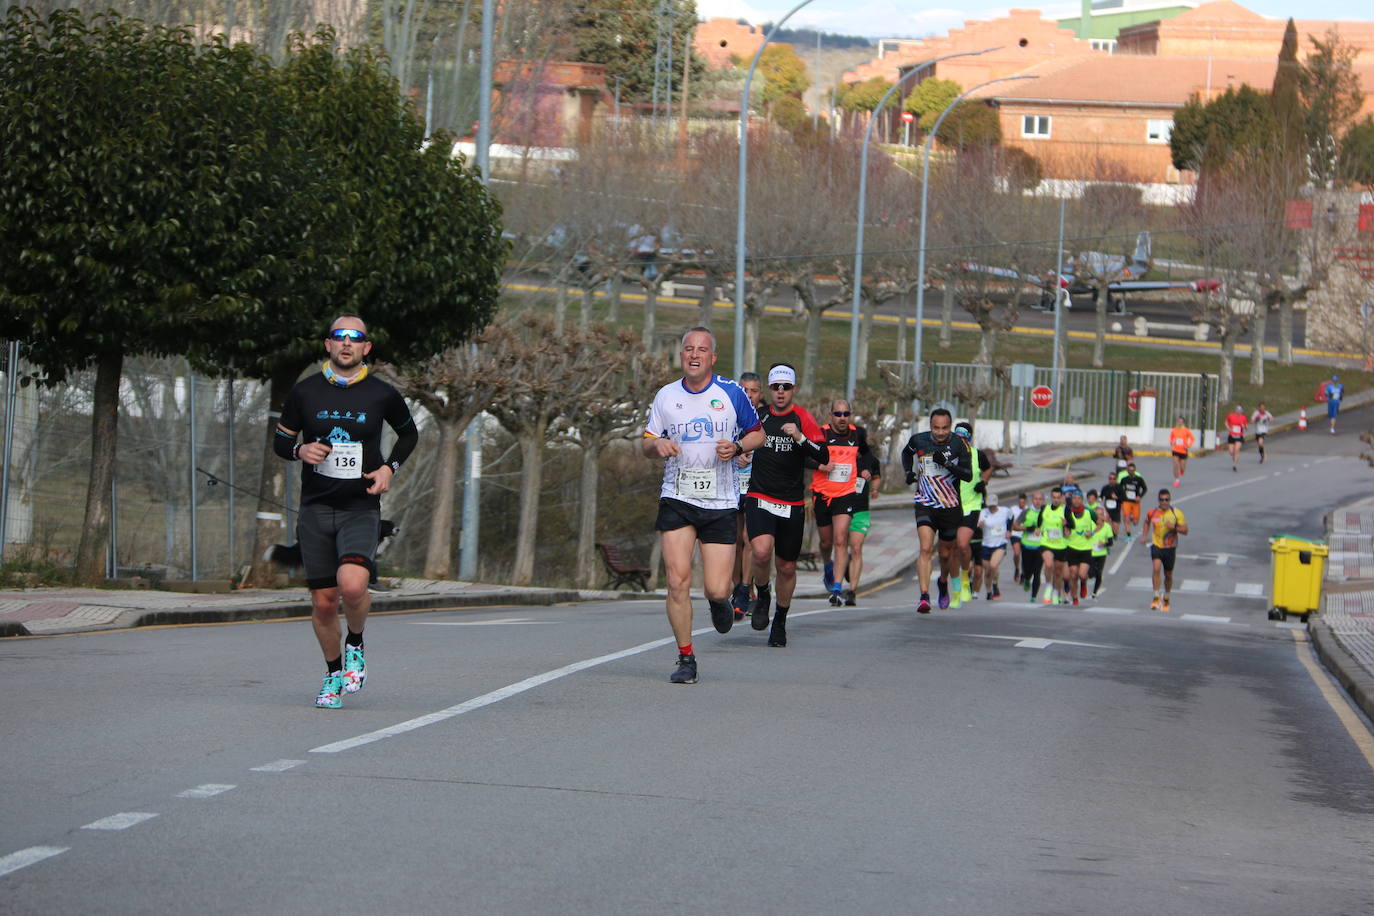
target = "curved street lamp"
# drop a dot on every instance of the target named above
(925, 187)
(744, 187)
(851, 378)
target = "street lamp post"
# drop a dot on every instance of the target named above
(925, 188)
(741, 203)
(851, 378)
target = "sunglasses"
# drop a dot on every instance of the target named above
(782, 386)
(1164, 499)
(839, 413)
(348, 334)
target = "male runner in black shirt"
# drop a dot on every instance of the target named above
(936, 461)
(338, 414)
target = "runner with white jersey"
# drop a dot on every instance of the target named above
(1261, 419)
(995, 522)
(700, 425)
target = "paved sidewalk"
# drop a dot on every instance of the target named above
(1343, 632)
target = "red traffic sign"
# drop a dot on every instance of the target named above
(908, 117)
(1042, 396)
(1133, 399)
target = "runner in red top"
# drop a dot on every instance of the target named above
(1236, 421)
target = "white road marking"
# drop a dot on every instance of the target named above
(1140, 582)
(1249, 590)
(208, 790)
(26, 857)
(277, 766)
(1204, 618)
(1284, 625)
(504, 621)
(515, 689)
(122, 821)
(1039, 642)
(1099, 609)
(1194, 585)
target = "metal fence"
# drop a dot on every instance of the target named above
(1092, 397)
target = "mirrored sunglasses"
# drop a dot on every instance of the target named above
(352, 334)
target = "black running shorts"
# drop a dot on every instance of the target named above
(1165, 556)
(827, 509)
(713, 526)
(788, 533)
(1230, 440)
(1077, 557)
(331, 538)
(944, 521)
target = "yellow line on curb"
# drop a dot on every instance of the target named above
(1339, 704)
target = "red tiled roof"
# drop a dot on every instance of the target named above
(1126, 80)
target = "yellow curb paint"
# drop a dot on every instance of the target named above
(1337, 701)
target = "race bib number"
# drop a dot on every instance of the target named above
(778, 509)
(696, 483)
(928, 466)
(345, 461)
(840, 473)
(859, 485)
(1121, 462)
(1111, 504)
(745, 473)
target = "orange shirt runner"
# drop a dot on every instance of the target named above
(1180, 440)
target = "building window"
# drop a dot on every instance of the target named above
(1157, 130)
(1035, 125)
(1103, 44)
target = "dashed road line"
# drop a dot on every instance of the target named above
(208, 790)
(26, 857)
(277, 766)
(1204, 618)
(122, 821)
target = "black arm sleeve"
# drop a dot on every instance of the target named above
(407, 435)
(908, 455)
(961, 467)
(284, 445)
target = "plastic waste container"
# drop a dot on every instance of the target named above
(1299, 565)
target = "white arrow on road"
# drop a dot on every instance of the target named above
(1037, 642)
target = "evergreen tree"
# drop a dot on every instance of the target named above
(1356, 162)
(1331, 99)
(625, 39)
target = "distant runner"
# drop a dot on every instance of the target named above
(995, 522)
(1111, 502)
(1261, 419)
(1133, 490)
(1123, 454)
(1236, 421)
(870, 478)
(1334, 392)
(936, 461)
(1029, 524)
(1180, 441)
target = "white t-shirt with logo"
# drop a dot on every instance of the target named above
(995, 523)
(695, 420)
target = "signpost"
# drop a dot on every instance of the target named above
(1022, 377)
(907, 118)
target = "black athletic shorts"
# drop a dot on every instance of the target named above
(1115, 514)
(788, 533)
(1182, 456)
(331, 538)
(714, 526)
(1231, 439)
(1075, 557)
(827, 509)
(944, 521)
(970, 520)
(1165, 556)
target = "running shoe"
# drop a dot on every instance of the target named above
(1154, 605)
(686, 670)
(354, 669)
(850, 599)
(997, 591)
(740, 600)
(331, 693)
(956, 599)
(1235, 469)
(1075, 601)
(923, 606)
(942, 588)
(722, 614)
(1082, 590)
(828, 577)
(1057, 599)
(1178, 481)
(777, 637)
(1047, 597)
(1165, 608)
(836, 595)
(758, 615)
(965, 594)
(989, 596)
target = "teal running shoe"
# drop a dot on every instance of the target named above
(354, 669)
(331, 694)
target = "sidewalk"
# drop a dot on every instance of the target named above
(1343, 633)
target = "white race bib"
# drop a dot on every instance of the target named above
(859, 485)
(928, 466)
(1111, 504)
(345, 461)
(696, 483)
(1121, 463)
(745, 473)
(779, 509)
(839, 473)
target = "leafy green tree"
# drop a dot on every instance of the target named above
(1331, 97)
(126, 149)
(1285, 101)
(625, 39)
(784, 74)
(1207, 135)
(862, 96)
(970, 124)
(930, 98)
(1356, 163)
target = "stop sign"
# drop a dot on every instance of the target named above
(1133, 399)
(908, 117)
(1042, 396)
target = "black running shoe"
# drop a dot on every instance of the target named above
(849, 598)
(686, 671)
(835, 599)
(777, 637)
(722, 614)
(758, 615)
(740, 601)
(923, 607)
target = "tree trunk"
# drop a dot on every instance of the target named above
(531, 483)
(1257, 332)
(95, 532)
(586, 515)
(708, 299)
(987, 347)
(1285, 332)
(650, 315)
(584, 319)
(1100, 326)
(269, 530)
(439, 552)
(560, 306)
(946, 316)
(613, 299)
(811, 356)
(1226, 370)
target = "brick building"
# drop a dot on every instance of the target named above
(718, 41)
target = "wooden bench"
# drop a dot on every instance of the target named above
(621, 573)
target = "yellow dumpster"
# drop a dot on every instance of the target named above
(1299, 565)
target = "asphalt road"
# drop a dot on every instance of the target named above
(1001, 758)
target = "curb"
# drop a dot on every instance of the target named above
(1358, 684)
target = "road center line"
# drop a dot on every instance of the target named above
(122, 821)
(26, 857)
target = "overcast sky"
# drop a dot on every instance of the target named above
(892, 19)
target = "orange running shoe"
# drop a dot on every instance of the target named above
(1154, 605)
(1165, 609)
